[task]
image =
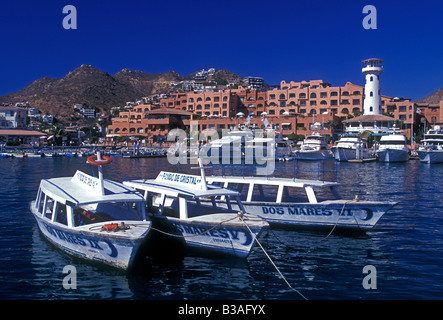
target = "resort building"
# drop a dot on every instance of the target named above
(292, 107)
(142, 121)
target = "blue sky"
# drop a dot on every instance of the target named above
(277, 40)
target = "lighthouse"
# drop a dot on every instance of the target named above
(372, 100)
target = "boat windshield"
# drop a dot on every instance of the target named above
(108, 211)
(392, 142)
(434, 136)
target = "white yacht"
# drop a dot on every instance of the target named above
(431, 149)
(314, 147)
(350, 148)
(393, 148)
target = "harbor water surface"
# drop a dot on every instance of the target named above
(404, 247)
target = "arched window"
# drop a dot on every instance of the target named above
(371, 94)
(282, 97)
(313, 95)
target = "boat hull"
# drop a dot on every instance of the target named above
(430, 156)
(313, 155)
(347, 154)
(360, 215)
(116, 250)
(392, 155)
(215, 233)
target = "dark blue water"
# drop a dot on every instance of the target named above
(404, 247)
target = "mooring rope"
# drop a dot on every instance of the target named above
(335, 225)
(272, 262)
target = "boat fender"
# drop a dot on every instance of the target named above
(105, 160)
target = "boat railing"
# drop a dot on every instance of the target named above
(320, 169)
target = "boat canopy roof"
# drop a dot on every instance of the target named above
(82, 189)
(180, 185)
(298, 183)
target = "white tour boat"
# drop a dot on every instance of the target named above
(175, 205)
(314, 147)
(92, 218)
(393, 148)
(286, 202)
(431, 149)
(350, 148)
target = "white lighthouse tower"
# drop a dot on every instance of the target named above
(372, 71)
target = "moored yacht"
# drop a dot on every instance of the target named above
(314, 147)
(351, 147)
(431, 149)
(393, 148)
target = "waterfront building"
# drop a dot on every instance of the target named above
(13, 117)
(292, 107)
(253, 82)
(144, 121)
(222, 103)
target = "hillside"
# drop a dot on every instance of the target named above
(433, 98)
(92, 86)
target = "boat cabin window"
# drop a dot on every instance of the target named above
(171, 205)
(268, 193)
(83, 216)
(61, 214)
(53, 210)
(49, 208)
